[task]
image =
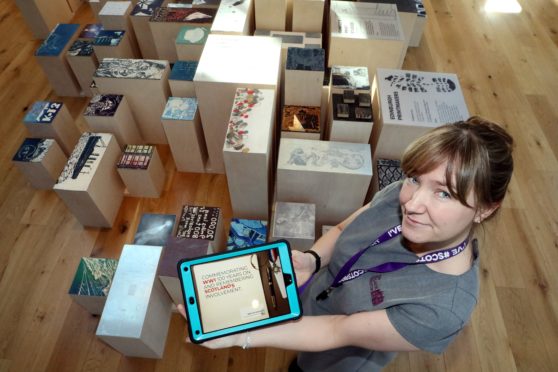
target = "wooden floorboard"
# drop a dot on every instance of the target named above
(508, 68)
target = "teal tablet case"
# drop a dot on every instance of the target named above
(213, 285)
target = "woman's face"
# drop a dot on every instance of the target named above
(431, 216)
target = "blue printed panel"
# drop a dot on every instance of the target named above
(180, 108)
(93, 277)
(33, 150)
(109, 37)
(246, 233)
(308, 59)
(42, 112)
(81, 48)
(184, 70)
(90, 31)
(58, 38)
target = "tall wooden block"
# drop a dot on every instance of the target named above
(181, 79)
(181, 121)
(342, 170)
(247, 152)
(113, 44)
(96, 6)
(115, 15)
(51, 55)
(52, 120)
(136, 318)
(350, 117)
(407, 104)
(308, 15)
(301, 122)
(144, 82)
(190, 42)
(91, 284)
(89, 184)
(420, 23)
(294, 222)
(271, 14)
(165, 24)
(42, 16)
(83, 62)
(139, 17)
(234, 18)
(245, 233)
(110, 113)
(304, 76)
(227, 63)
(41, 161)
(142, 171)
(175, 250)
(365, 34)
(203, 223)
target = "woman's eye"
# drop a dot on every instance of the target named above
(444, 194)
(412, 179)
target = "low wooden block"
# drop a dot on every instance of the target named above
(301, 122)
(349, 78)
(352, 121)
(181, 79)
(245, 233)
(41, 161)
(271, 14)
(52, 120)
(91, 284)
(304, 76)
(234, 18)
(83, 62)
(203, 223)
(175, 250)
(144, 82)
(42, 16)
(89, 184)
(115, 15)
(358, 31)
(190, 42)
(294, 222)
(181, 121)
(113, 44)
(137, 313)
(110, 113)
(143, 181)
(407, 104)
(342, 170)
(216, 82)
(139, 17)
(308, 15)
(51, 55)
(247, 152)
(165, 24)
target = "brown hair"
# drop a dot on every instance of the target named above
(478, 152)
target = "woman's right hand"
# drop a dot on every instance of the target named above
(304, 265)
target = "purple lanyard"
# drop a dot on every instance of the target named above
(345, 274)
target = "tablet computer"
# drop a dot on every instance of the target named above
(238, 290)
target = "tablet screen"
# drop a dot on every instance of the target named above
(240, 290)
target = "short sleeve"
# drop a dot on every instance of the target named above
(426, 326)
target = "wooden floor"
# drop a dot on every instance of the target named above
(508, 68)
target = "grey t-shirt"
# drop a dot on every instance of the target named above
(426, 307)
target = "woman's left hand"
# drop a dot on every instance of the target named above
(218, 343)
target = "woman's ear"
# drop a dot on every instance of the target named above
(484, 213)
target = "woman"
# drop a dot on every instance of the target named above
(399, 274)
